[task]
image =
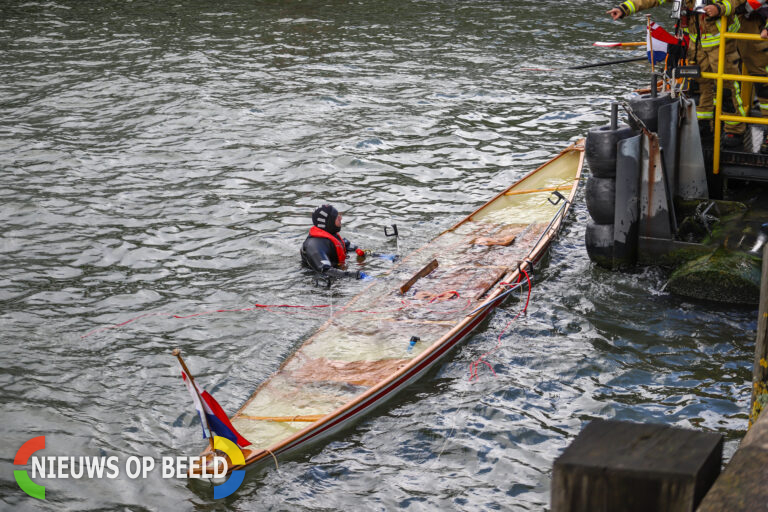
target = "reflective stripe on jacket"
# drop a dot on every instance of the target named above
(709, 27)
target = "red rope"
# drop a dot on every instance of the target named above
(121, 324)
(182, 317)
(210, 312)
(290, 306)
(450, 294)
(474, 365)
(272, 307)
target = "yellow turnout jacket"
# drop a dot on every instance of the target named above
(709, 28)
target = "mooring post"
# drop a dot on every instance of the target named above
(743, 486)
(759, 399)
(633, 467)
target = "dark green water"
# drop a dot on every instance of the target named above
(160, 159)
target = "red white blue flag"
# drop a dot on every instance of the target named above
(217, 419)
(658, 39)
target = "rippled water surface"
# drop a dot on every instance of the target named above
(161, 160)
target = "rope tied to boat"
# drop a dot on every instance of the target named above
(520, 267)
(475, 365)
(277, 466)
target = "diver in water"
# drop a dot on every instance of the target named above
(325, 250)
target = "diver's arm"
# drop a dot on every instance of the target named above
(315, 254)
(338, 273)
(353, 248)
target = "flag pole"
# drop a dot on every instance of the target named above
(204, 418)
(650, 41)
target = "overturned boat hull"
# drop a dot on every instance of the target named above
(399, 327)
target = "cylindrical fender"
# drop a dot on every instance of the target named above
(646, 108)
(601, 199)
(600, 148)
(599, 242)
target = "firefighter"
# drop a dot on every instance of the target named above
(703, 27)
(754, 54)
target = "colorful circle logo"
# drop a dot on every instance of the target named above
(236, 459)
(22, 477)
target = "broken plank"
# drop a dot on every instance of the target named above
(428, 268)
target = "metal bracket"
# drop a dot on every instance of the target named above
(560, 197)
(393, 233)
(691, 71)
(531, 269)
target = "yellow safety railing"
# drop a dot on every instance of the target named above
(720, 77)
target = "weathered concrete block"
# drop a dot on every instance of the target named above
(617, 465)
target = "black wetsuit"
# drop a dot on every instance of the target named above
(320, 253)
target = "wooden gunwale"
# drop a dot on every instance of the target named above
(285, 419)
(419, 364)
(534, 191)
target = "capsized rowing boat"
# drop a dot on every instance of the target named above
(400, 326)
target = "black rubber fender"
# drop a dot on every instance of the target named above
(646, 108)
(601, 199)
(600, 149)
(599, 242)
